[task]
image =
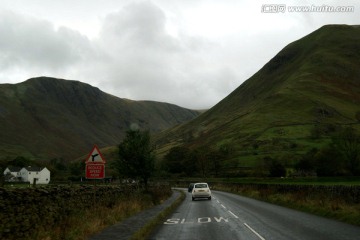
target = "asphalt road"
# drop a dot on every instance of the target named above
(229, 216)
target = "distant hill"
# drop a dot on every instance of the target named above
(45, 118)
(308, 91)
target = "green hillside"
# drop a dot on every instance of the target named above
(44, 118)
(309, 91)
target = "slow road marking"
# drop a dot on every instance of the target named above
(200, 220)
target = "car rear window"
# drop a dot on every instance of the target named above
(201, 186)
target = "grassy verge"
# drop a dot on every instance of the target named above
(98, 218)
(144, 232)
(81, 225)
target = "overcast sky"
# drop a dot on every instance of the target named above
(192, 53)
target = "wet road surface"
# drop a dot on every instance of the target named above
(229, 216)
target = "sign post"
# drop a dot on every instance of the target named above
(95, 164)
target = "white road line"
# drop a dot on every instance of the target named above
(223, 206)
(217, 201)
(233, 214)
(257, 234)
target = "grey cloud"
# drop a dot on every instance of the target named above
(31, 43)
(148, 63)
(139, 22)
(133, 57)
(138, 26)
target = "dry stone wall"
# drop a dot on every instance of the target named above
(24, 212)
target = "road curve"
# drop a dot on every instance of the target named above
(229, 216)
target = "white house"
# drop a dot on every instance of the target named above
(28, 174)
(12, 174)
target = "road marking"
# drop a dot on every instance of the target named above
(220, 219)
(223, 206)
(172, 221)
(233, 214)
(257, 234)
(200, 220)
(183, 221)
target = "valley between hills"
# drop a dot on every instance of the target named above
(294, 106)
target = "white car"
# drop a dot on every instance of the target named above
(201, 190)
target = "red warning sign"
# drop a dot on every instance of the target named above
(95, 157)
(95, 171)
(95, 164)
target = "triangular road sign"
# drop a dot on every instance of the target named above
(95, 156)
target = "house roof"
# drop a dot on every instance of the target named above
(34, 169)
(29, 169)
(14, 169)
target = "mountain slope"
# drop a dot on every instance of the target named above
(313, 84)
(47, 118)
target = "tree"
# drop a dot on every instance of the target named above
(174, 159)
(20, 161)
(307, 163)
(276, 169)
(178, 160)
(348, 143)
(77, 168)
(199, 157)
(215, 157)
(136, 158)
(328, 161)
(3, 165)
